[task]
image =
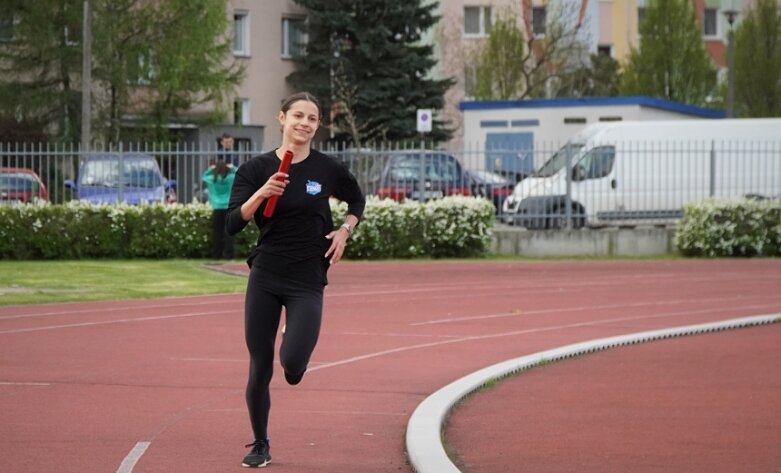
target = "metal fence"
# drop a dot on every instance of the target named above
(543, 186)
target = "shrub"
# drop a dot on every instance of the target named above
(450, 227)
(730, 228)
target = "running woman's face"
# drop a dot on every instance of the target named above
(300, 122)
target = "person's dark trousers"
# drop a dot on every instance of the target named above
(222, 243)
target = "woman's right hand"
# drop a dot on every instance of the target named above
(275, 185)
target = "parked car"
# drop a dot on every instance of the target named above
(403, 172)
(21, 185)
(100, 181)
(490, 185)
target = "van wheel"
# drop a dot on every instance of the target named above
(558, 219)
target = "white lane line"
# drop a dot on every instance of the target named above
(116, 321)
(377, 354)
(210, 360)
(132, 458)
(521, 332)
(430, 322)
(535, 288)
(243, 410)
(11, 383)
(234, 298)
(585, 308)
(122, 308)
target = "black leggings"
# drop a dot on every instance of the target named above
(222, 243)
(266, 294)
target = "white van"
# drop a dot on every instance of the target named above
(630, 173)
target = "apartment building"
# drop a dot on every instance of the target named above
(267, 36)
(605, 26)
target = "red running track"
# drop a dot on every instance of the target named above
(701, 403)
(157, 385)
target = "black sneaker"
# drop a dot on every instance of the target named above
(259, 456)
(293, 379)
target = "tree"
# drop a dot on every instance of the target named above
(499, 68)
(40, 63)
(152, 60)
(600, 78)
(758, 61)
(366, 63)
(671, 62)
(157, 60)
(514, 64)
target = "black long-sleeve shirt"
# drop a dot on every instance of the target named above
(292, 242)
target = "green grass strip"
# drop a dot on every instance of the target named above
(36, 282)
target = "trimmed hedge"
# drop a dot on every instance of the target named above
(450, 227)
(730, 228)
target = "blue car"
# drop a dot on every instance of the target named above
(140, 182)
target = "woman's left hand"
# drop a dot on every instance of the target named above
(338, 239)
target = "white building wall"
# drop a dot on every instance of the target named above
(550, 125)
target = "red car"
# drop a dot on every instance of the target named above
(21, 185)
(491, 186)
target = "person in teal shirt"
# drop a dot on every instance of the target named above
(219, 181)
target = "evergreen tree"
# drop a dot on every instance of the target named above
(671, 62)
(366, 63)
(758, 62)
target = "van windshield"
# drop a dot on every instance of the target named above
(558, 160)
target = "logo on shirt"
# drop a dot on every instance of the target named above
(313, 187)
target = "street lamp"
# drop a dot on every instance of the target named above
(86, 79)
(730, 15)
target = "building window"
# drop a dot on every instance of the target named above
(477, 21)
(710, 22)
(7, 22)
(538, 20)
(294, 37)
(241, 115)
(241, 34)
(640, 16)
(74, 24)
(72, 36)
(141, 71)
(605, 50)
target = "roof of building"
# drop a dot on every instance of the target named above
(640, 100)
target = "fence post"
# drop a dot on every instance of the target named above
(121, 193)
(568, 195)
(712, 168)
(422, 185)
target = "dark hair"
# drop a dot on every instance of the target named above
(220, 169)
(288, 102)
(226, 135)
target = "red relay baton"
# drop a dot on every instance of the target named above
(284, 166)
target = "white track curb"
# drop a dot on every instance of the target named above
(424, 429)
